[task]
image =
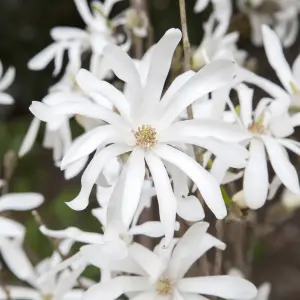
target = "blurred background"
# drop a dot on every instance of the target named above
(24, 31)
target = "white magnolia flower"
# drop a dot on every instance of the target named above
(281, 15)
(12, 233)
(222, 10)
(54, 288)
(5, 81)
(95, 37)
(147, 126)
(160, 274)
(217, 44)
(263, 292)
(269, 126)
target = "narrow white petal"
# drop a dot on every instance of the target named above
(149, 261)
(123, 66)
(165, 196)
(228, 287)
(276, 57)
(213, 76)
(84, 11)
(186, 245)
(8, 78)
(30, 137)
(43, 58)
(74, 234)
(176, 85)
(49, 113)
(20, 201)
(264, 292)
(90, 83)
(296, 69)
(16, 260)
(256, 178)
(205, 182)
(204, 128)
(92, 172)
(200, 5)
(64, 33)
(245, 98)
(6, 99)
(88, 143)
(160, 65)
(207, 242)
(190, 209)
(18, 292)
(133, 185)
(282, 165)
(114, 288)
(75, 168)
(11, 229)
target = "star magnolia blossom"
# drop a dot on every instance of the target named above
(5, 81)
(12, 233)
(96, 36)
(281, 15)
(216, 44)
(54, 288)
(146, 126)
(268, 124)
(160, 274)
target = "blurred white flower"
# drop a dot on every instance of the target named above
(12, 233)
(5, 81)
(160, 274)
(147, 127)
(289, 200)
(281, 15)
(217, 44)
(222, 9)
(95, 37)
(54, 288)
(270, 125)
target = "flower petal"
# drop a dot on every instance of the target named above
(245, 98)
(8, 78)
(11, 229)
(30, 137)
(165, 196)
(114, 288)
(229, 287)
(89, 142)
(256, 178)
(205, 182)
(281, 164)
(75, 168)
(74, 234)
(213, 76)
(20, 201)
(187, 245)
(89, 83)
(133, 185)
(6, 99)
(190, 209)
(18, 292)
(276, 57)
(160, 63)
(92, 172)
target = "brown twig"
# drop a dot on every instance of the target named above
(137, 42)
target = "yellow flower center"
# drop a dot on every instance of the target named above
(145, 136)
(164, 287)
(47, 297)
(256, 128)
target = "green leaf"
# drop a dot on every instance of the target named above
(226, 197)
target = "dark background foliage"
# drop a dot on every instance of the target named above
(24, 31)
